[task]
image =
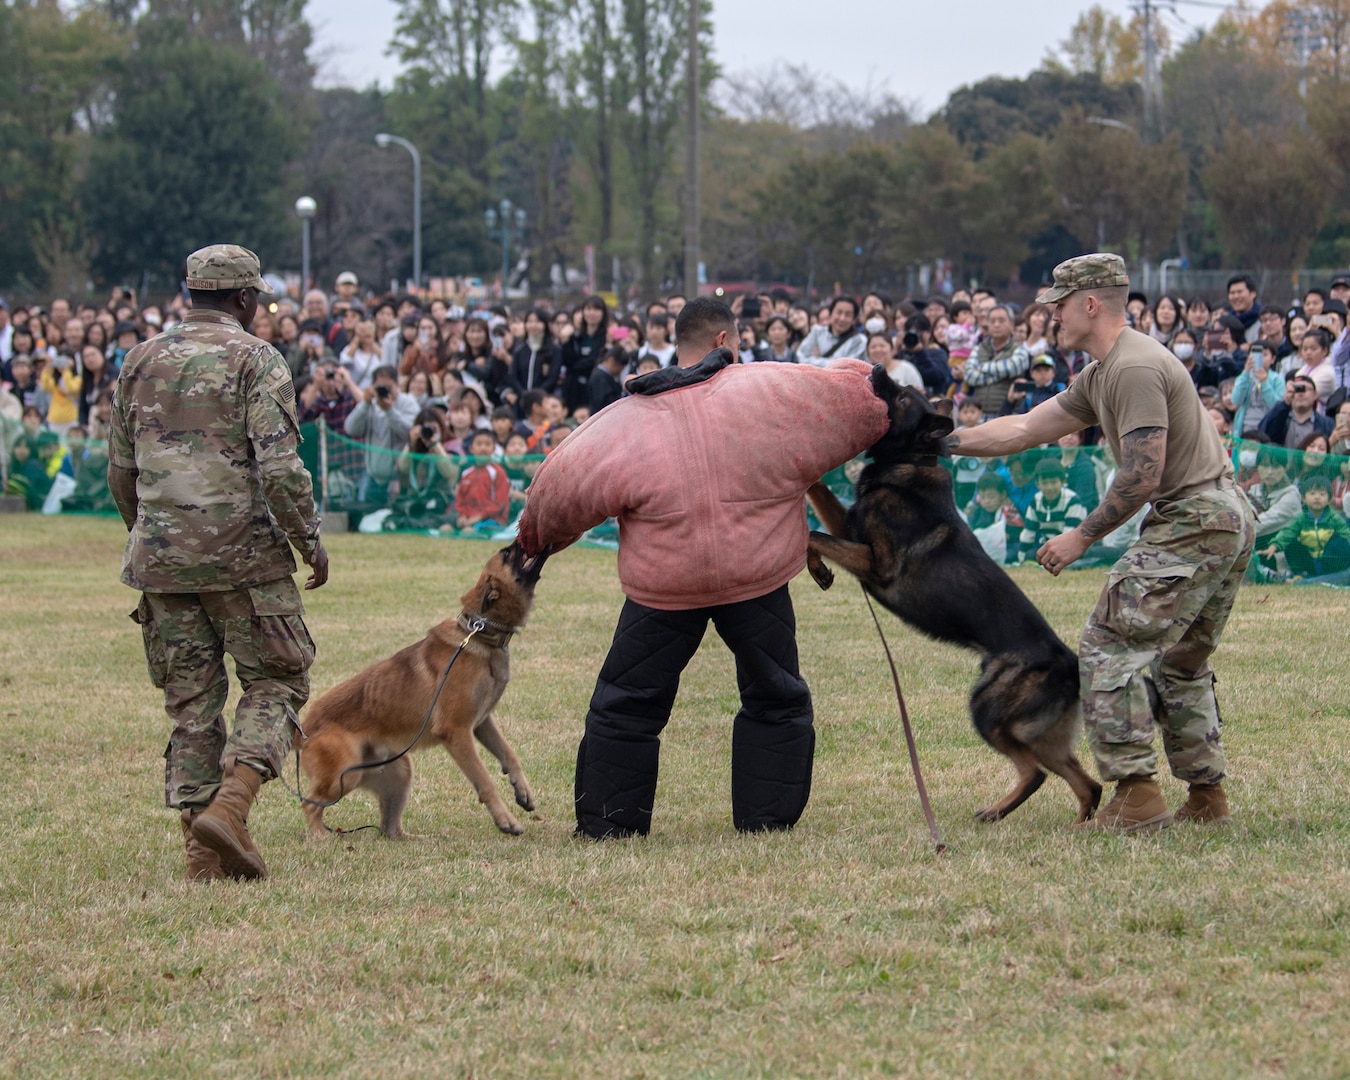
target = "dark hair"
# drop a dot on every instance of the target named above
(919, 323)
(1245, 279)
(991, 480)
(530, 399)
(1314, 481)
(597, 302)
(540, 314)
(662, 320)
(1049, 469)
(1135, 294)
(504, 412)
(836, 301)
(385, 371)
(1194, 300)
(777, 319)
(1271, 454)
(702, 319)
(612, 352)
(780, 293)
(1320, 334)
(958, 307)
(1177, 306)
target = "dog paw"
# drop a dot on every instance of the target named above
(511, 826)
(823, 575)
(524, 798)
(988, 814)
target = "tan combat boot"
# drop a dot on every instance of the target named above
(203, 864)
(1137, 806)
(1206, 803)
(223, 826)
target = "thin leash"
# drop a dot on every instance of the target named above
(938, 845)
(474, 625)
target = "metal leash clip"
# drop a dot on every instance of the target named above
(477, 624)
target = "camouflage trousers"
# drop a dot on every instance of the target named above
(1144, 657)
(186, 638)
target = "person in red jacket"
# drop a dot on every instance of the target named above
(705, 466)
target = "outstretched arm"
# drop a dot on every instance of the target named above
(1010, 434)
(1143, 454)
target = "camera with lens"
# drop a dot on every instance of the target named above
(428, 432)
(751, 307)
(330, 373)
(910, 340)
(382, 391)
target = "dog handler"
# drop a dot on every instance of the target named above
(1144, 657)
(709, 496)
(204, 470)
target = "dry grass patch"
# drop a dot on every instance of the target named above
(843, 949)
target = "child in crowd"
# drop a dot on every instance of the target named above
(1054, 510)
(1081, 469)
(962, 335)
(1318, 541)
(988, 516)
(483, 498)
(503, 423)
(967, 471)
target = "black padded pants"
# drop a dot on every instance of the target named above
(772, 740)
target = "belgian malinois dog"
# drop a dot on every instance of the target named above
(909, 546)
(379, 711)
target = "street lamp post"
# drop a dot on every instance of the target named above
(383, 140)
(504, 215)
(304, 210)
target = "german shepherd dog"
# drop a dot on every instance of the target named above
(909, 546)
(378, 712)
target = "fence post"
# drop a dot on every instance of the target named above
(323, 465)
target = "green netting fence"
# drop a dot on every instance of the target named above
(454, 495)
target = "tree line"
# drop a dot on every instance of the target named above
(132, 131)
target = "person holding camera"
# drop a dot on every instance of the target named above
(61, 381)
(1025, 394)
(310, 349)
(383, 418)
(331, 393)
(427, 474)
(1257, 389)
(930, 360)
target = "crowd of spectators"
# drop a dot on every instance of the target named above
(439, 415)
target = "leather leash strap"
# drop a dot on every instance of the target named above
(938, 845)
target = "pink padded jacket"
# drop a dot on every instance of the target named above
(707, 478)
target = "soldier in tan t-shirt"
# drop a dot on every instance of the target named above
(1144, 657)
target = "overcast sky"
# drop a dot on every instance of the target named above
(919, 52)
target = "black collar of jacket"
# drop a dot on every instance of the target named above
(675, 378)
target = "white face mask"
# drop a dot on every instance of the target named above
(875, 325)
(1184, 350)
(1247, 459)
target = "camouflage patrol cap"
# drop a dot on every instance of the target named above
(1101, 270)
(224, 267)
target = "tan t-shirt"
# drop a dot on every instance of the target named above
(1140, 384)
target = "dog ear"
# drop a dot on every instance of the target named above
(492, 592)
(937, 427)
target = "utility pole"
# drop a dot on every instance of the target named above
(691, 156)
(1152, 93)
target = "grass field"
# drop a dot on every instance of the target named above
(845, 948)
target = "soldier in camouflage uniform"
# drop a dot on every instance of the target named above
(204, 469)
(1144, 657)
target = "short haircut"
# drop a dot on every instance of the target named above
(1111, 296)
(1315, 482)
(958, 307)
(385, 371)
(478, 433)
(702, 319)
(1005, 308)
(844, 300)
(660, 319)
(504, 412)
(530, 399)
(991, 481)
(1049, 469)
(1244, 279)
(919, 323)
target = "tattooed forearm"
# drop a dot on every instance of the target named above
(1143, 452)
